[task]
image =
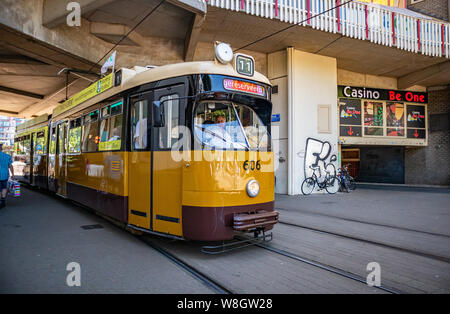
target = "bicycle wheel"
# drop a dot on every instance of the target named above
(308, 186)
(332, 185)
(351, 183)
(345, 185)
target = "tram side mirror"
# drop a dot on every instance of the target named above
(158, 114)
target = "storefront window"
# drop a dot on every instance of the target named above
(373, 118)
(416, 122)
(383, 116)
(395, 119)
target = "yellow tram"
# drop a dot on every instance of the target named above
(180, 150)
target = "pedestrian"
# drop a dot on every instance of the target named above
(5, 167)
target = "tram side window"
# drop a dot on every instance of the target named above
(52, 148)
(26, 145)
(39, 144)
(169, 134)
(90, 137)
(75, 136)
(139, 124)
(111, 127)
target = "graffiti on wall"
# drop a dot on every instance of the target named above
(318, 156)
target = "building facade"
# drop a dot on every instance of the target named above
(7, 129)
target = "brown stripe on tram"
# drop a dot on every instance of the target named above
(217, 223)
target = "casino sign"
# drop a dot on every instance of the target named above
(382, 94)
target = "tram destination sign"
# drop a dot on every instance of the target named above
(382, 94)
(245, 87)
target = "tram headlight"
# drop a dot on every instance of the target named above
(252, 188)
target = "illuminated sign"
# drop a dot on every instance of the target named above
(382, 94)
(245, 87)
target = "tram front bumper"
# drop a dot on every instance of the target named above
(251, 221)
(218, 223)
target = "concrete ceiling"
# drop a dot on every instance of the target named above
(30, 86)
(130, 12)
(351, 54)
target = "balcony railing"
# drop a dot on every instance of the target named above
(379, 24)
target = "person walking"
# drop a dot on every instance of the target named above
(5, 167)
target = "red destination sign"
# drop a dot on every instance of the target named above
(245, 87)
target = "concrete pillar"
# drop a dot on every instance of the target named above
(307, 104)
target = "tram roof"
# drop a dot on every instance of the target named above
(31, 123)
(142, 75)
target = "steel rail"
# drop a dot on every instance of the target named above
(210, 283)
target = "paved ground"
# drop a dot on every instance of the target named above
(40, 235)
(407, 233)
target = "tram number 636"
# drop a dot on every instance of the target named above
(252, 165)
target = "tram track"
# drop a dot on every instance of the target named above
(206, 280)
(380, 244)
(367, 222)
(328, 268)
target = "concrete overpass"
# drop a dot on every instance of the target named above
(36, 43)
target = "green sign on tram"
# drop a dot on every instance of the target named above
(245, 65)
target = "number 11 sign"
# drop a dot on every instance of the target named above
(245, 65)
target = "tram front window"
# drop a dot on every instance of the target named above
(224, 125)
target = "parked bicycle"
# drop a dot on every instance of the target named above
(330, 183)
(347, 182)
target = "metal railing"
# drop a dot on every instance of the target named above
(378, 24)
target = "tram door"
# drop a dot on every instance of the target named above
(167, 167)
(154, 179)
(139, 162)
(32, 161)
(60, 165)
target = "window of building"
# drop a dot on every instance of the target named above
(75, 136)
(395, 119)
(90, 138)
(373, 118)
(111, 127)
(415, 121)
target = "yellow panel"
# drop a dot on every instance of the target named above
(139, 188)
(167, 185)
(100, 171)
(222, 180)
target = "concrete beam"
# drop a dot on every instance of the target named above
(417, 77)
(41, 51)
(20, 92)
(51, 101)
(99, 29)
(193, 37)
(55, 11)
(9, 113)
(18, 59)
(193, 6)
(16, 69)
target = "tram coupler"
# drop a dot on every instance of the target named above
(243, 242)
